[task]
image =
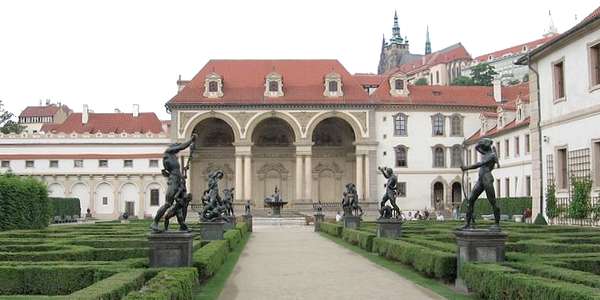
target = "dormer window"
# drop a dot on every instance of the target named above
(333, 85)
(273, 85)
(525, 48)
(213, 86)
(519, 114)
(398, 85)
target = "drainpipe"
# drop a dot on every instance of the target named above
(539, 121)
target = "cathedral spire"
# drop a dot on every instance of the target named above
(551, 28)
(427, 42)
(396, 37)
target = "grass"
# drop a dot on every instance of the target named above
(211, 288)
(404, 271)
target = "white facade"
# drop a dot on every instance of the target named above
(109, 173)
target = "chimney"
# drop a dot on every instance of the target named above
(136, 110)
(497, 90)
(85, 114)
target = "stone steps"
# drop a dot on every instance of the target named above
(267, 221)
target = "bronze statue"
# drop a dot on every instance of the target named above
(228, 201)
(176, 190)
(215, 209)
(485, 182)
(247, 208)
(391, 190)
(350, 201)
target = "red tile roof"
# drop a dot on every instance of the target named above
(108, 123)
(495, 131)
(42, 111)
(446, 55)
(368, 79)
(244, 83)
(594, 14)
(515, 49)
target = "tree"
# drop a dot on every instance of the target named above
(483, 74)
(6, 124)
(421, 81)
(462, 80)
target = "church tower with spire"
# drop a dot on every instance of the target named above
(395, 51)
(427, 42)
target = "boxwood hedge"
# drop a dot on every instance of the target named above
(23, 203)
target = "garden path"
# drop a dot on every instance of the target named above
(296, 263)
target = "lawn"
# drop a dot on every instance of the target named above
(102, 261)
(543, 262)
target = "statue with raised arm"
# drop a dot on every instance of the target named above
(176, 196)
(391, 191)
(215, 208)
(485, 182)
(350, 201)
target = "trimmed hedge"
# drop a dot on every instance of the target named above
(492, 281)
(114, 287)
(432, 263)
(563, 274)
(173, 284)
(65, 206)
(23, 203)
(243, 228)
(508, 206)
(233, 238)
(209, 258)
(48, 280)
(331, 229)
(360, 238)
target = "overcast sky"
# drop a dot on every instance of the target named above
(112, 54)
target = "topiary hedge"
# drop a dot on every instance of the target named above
(172, 284)
(209, 258)
(63, 207)
(233, 238)
(23, 203)
(332, 229)
(508, 206)
(360, 238)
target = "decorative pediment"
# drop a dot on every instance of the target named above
(327, 166)
(333, 85)
(213, 86)
(277, 167)
(398, 85)
(227, 170)
(273, 85)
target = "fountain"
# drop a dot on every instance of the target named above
(275, 202)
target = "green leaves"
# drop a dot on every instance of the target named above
(580, 206)
(23, 203)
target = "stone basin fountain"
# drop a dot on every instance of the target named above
(275, 202)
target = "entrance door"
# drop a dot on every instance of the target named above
(130, 208)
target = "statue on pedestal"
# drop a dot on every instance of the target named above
(350, 201)
(215, 208)
(391, 191)
(228, 201)
(176, 197)
(247, 208)
(485, 182)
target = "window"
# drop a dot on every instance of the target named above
(439, 157)
(399, 84)
(438, 125)
(104, 200)
(401, 156)
(29, 164)
(78, 163)
(559, 80)
(273, 86)
(507, 187)
(401, 189)
(595, 65)
(5, 164)
(333, 86)
(437, 77)
(154, 197)
(498, 188)
(517, 146)
(528, 186)
(400, 125)
(103, 163)
(456, 156)
(527, 149)
(506, 148)
(456, 128)
(54, 164)
(561, 167)
(213, 86)
(153, 163)
(498, 149)
(128, 163)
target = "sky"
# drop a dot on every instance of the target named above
(113, 54)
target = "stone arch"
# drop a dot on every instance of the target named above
(435, 192)
(102, 190)
(191, 124)
(56, 190)
(128, 192)
(356, 128)
(290, 120)
(81, 191)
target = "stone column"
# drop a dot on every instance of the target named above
(367, 188)
(247, 177)
(308, 177)
(299, 189)
(239, 176)
(359, 176)
(142, 202)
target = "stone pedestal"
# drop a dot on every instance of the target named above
(229, 223)
(319, 218)
(389, 228)
(170, 249)
(248, 221)
(478, 245)
(212, 231)
(351, 222)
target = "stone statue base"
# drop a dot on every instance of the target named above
(248, 221)
(229, 223)
(319, 218)
(351, 222)
(478, 245)
(170, 249)
(389, 228)
(212, 231)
